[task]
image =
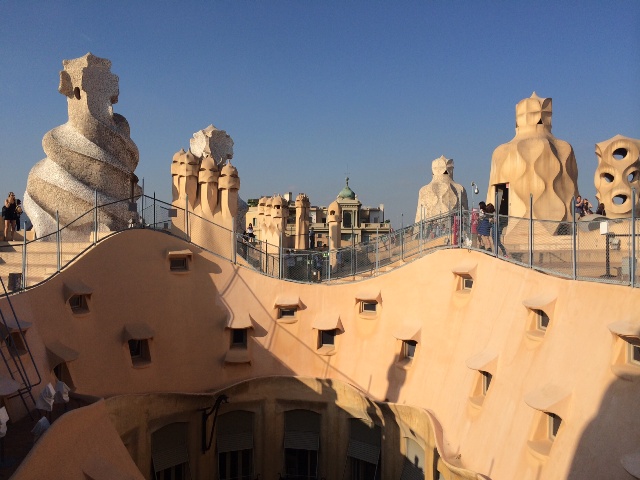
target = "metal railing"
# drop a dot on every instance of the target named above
(596, 250)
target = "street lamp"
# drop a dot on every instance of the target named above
(474, 192)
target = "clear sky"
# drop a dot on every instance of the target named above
(311, 91)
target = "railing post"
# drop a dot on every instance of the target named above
(632, 267)
(421, 228)
(530, 230)
(574, 247)
(95, 217)
(496, 219)
(377, 259)
(155, 225)
(234, 241)
(24, 257)
(459, 220)
(186, 217)
(355, 269)
(280, 269)
(142, 206)
(329, 262)
(58, 239)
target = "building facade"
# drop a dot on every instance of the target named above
(360, 224)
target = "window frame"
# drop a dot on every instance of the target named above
(62, 373)
(241, 456)
(464, 282)
(542, 319)
(140, 356)
(409, 348)
(632, 349)
(180, 261)
(15, 340)
(78, 303)
(366, 311)
(330, 335)
(178, 264)
(288, 311)
(486, 381)
(554, 423)
(233, 340)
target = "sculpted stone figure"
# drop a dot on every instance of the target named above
(534, 162)
(204, 177)
(442, 193)
(618, 172)
(91, 153)
(301, 241)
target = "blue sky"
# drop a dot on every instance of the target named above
(310, 91)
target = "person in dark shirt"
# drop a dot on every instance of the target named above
(18, 213)
(312, 238)
(9, 214)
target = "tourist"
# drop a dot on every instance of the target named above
(484, 228)
(474, 227)
(579, 207)
(312, 238)
(290, 261)
(586, 207)
(250, 233)
(600, 210)
(243, 244)
(317, 266)
(9, 215)
(18, 213)
(502, 222)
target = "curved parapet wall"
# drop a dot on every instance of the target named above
(617, 174)
(91, 153)
(496, 349)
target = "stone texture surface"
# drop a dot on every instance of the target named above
(204, 178)
(272, 221)
(92, 152)
(442, 193)
(301, 240)
(618, 172)
(535, 162)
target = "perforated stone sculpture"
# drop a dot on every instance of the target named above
(618, 172)
(441, 195)
(91, 153)
(535, 162)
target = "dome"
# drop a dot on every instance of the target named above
(347, 193)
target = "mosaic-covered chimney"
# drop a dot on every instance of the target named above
(91, 153)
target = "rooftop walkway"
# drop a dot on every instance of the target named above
(574, 249)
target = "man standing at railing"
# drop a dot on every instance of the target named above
(312, 239)
(290, 262)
